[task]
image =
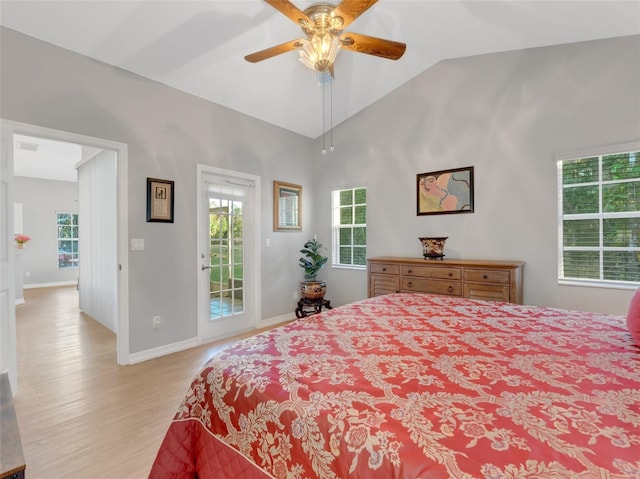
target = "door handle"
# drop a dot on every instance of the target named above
(203, 267)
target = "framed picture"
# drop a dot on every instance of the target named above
(160, 200)
(287, 206)
(445, 191)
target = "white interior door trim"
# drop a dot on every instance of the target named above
(123, 216)
(8, 356)
(239, 178)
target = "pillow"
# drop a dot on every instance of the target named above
(633, 317)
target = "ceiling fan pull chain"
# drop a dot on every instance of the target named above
(331, 148)
(324, 149)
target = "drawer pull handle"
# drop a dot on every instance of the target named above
(410, 271)
(484, 276)
(384, 269)
(450, 289)
(409, 284)
(450, 274)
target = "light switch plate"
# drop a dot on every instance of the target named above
(137, 244)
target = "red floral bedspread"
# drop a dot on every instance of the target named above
(416, 386)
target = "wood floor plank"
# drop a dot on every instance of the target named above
(79, 413)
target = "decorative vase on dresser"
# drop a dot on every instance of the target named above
(475, 279)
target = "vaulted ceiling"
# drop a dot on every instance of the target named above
(199, 46)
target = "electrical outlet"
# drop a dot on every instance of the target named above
(156, 322)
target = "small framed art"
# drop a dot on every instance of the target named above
(160, 199)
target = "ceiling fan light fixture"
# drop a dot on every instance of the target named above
(320, 51)
(323, 25)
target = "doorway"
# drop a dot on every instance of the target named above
(118, 186)
(228, 264)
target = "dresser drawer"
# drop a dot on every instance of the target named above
(381, 268)
(434, 272)
(453, 288)
(487, 276)
(383, 284)
(487, 292)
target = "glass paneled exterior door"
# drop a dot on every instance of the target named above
(226, 239)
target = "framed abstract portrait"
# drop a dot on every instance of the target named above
(445, 191)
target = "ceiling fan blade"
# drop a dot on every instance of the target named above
(349, 10)
(290, 10)
(372, 45)
(273, 51)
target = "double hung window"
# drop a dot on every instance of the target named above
(349, 228)
(67, 240)
(599, 219)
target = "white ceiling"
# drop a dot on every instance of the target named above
(199, 46)
(43, 158)
(36, 157)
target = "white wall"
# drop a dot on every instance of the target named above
(41, 201)
(506, 114)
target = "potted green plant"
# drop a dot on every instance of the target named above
(312, 261)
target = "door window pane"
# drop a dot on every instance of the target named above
(226, 258)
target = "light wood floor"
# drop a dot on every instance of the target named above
(80, 414)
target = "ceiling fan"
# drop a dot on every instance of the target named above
(323, 25)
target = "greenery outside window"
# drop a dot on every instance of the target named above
(349, 224)
(599, 219)
(67, 240)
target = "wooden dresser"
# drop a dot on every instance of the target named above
(475, 279)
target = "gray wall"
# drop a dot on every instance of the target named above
(167, 132)
(42, 200)
(506, 114)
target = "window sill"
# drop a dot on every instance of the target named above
(344, 266)
(599, 284)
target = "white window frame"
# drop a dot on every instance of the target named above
(336, 227)
(589, 153)
(74, 261)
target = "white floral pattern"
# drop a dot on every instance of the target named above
(418, 386)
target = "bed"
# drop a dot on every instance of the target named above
(416, 386)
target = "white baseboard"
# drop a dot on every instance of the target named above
(50, 285)
(20, 301)
(283, 318)
(193, 342)
(162, 350)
